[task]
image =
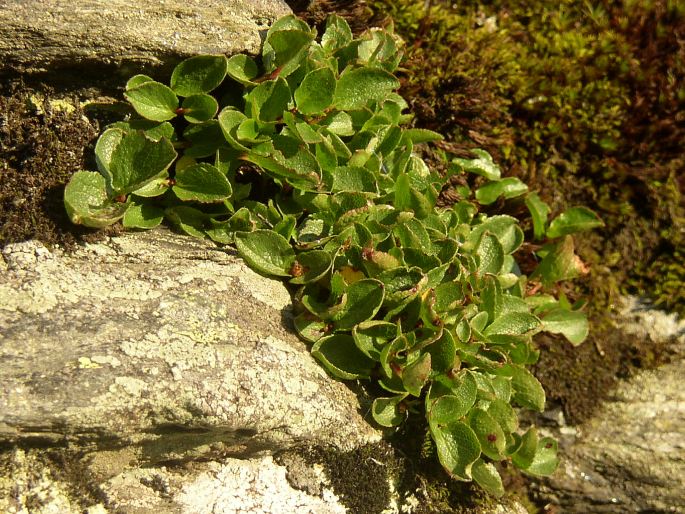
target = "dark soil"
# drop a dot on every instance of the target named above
(40, 148)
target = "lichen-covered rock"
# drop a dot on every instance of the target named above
(120, 38)
(630, 457)
(161, 342)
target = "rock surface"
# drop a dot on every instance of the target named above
(84, 39)
(630, 457)
(163, 342)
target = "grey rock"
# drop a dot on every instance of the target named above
(630, 457)
(86, 38)
(164, 343)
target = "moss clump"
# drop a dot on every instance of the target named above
(585, 102)
(42, 143)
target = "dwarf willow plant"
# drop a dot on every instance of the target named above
(429, 303)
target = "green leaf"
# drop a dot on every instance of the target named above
(137, 160)
(572, 324)
(199, 108)
(371, 336)
(489, 432)
(104, 148)
(315, 93)
(364, 298)
(86, 201)
(153, 101)
(242, 68)
(357, 87)
(513, 323)
(527, 390)
(575, 219)
(351, 178)
(524, 455)
(155, 187)
(545, 461)
(339, 123)
(387, 412)
(487, 476)
(508, 188)
(202, 182)
(559, 264)
(482, 165)
(284, 50)
(142, 215)
(501, 410)
(539, 211)
(190, 220)
(443, 352)
(337, 34)
(342, 358)
(199, 74)
(266, 251)
(137, 80)
(268, 100)
(415, 375)
(450, 403)
(312, 266)
(490, 253)
(229, 121)
(458, 448)
(309, 327)
(204, 138)
(418, 135)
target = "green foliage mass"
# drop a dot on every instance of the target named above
(582, 98)
(304, 163)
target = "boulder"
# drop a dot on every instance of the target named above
(162, 342)
(78, 41)
(630, 456)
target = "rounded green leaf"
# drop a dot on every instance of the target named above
(352, 178)
(572, 324)
(443, 352)
(337, 34)
(141, 215)
(387, 411)
(137, 80)
(188, 219)
(229, 121)
(539, 211)
(199, 108)
(357, 87)
(364, 298)
(486, 475)
(510, 187)
(104, 148)
(528, 392)
(201, 183)
(342, 358)
(309, 327)
(489, 432)
(575, 219)
(371, 336)
(545, 461)
(137, 160)
(482, 165)
(561, 263)
(415, 375)
(199, 74)
(242, 68)
(527, 448)
(513, 324)
(312, 266)
(266, 251)
(204, 138)
(153, 101)
(315, 93)
(458, 448)
(490, 253)
(86, 201)
(268, 100)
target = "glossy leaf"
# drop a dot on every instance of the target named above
(575, 219)
(357, 87)
(458, 448)
(202, 183)
(242, 68)
(266, 251)
(86, 201)
(199, 108)
(388, 412)
(559, 264)
(311, 266)
(198, 74)
(315, 93)
(539, 211)
(143, 216)
(337, 34)
(486, 475)
(573, 325)
(527, 390)
(341, 357)
(414, 375)
(364, 298)
(510, 187)
(153, 101)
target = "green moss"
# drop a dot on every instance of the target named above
(580, 100)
